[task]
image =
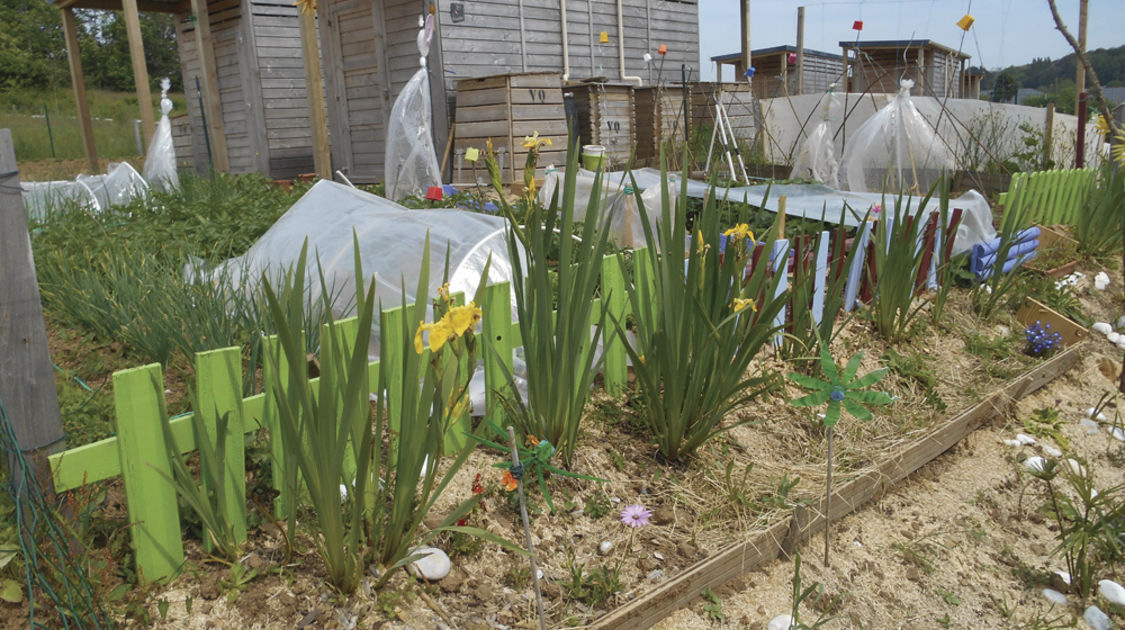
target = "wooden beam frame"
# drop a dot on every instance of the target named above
(209, 76)
(140, 70)
(314, 87)
(116, 5)
(85, 123)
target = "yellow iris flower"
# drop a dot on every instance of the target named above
(453, 324)
(741, 232)
(534, 141)
(740, 304)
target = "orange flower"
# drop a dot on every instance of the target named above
(508, 481)
(532, 440)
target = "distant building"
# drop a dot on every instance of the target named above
(1115, 95)
(1024, 94)
(775, 70)
(877, 66)
(970, 83)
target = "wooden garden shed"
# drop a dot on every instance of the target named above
(776, 71)
(877, 66)
(243, 73)
(369, 52)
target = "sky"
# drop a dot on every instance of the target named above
(1005, 33)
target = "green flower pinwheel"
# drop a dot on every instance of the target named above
(840, 390)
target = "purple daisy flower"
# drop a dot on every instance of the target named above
(635, 515)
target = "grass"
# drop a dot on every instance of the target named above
(28, 112)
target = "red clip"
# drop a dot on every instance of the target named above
(433, 193)
(663, 50)
(857, 25)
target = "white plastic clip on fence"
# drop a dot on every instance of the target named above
(411, 161)
(160, 163)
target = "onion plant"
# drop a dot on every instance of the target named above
(700, 320)
(559, 342)
(1099, 226)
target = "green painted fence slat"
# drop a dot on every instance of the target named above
(496, 330)
(285, 476)
(219, 384)
(154, 520)
(390, 354)
(613, 287)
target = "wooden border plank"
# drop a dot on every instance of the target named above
(763, 546)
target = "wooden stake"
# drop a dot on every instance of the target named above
(314, 86)
(1049, 132)
(1080, 76)
(210, 79)
(800, 50)
(140, 70)
(27, 381)
(527, 531)
(78, 82)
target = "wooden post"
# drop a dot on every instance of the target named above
(1048, 133)
(800, 50)
(210, 79)
(745, 15)
(921, 71)
(1080, 78)
(85, 123)
(140, 70)
(27, 382)
(314, 85)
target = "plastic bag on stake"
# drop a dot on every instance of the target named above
(160, 162)
(817, 157)
(411, 162)
(895, 151)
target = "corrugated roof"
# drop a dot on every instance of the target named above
(903, 43)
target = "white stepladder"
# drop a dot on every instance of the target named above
(725, 133)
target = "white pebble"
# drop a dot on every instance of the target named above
(539, 573)
(1035, 463)
(1090, 426)
(1054, 596)
(1102, 327)
(1112, 591)
(654, 575)
(1114, 337)
(1101, 281)
(432, 566)
(1117, 433)
(780, 622)
(1095, 414)
(1013, 442)
(657, 555)
(1121, 322)
(1023, 438)
(1076, 468)
(614, 500)
(1052, 451)
(1097, 619)
(1064, 576)
(605, 547)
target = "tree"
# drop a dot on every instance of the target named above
(1005, 88)
(105, 49)
(32, 49)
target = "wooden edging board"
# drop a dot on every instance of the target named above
(763, 546)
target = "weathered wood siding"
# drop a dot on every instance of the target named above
(489, 39)
(278, 68)
(506, 109)
(261, 86)
(356, 87)
(606, 115)
(189, 67)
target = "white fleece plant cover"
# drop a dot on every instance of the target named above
(821, 203)
(391, 240)
(120, 184)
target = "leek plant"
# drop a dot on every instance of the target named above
(700, 320)
(990, 293)
(559, 346)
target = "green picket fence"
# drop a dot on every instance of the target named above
(138, 452)
(1049, 197)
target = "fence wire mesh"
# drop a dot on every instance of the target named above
(54, 560)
